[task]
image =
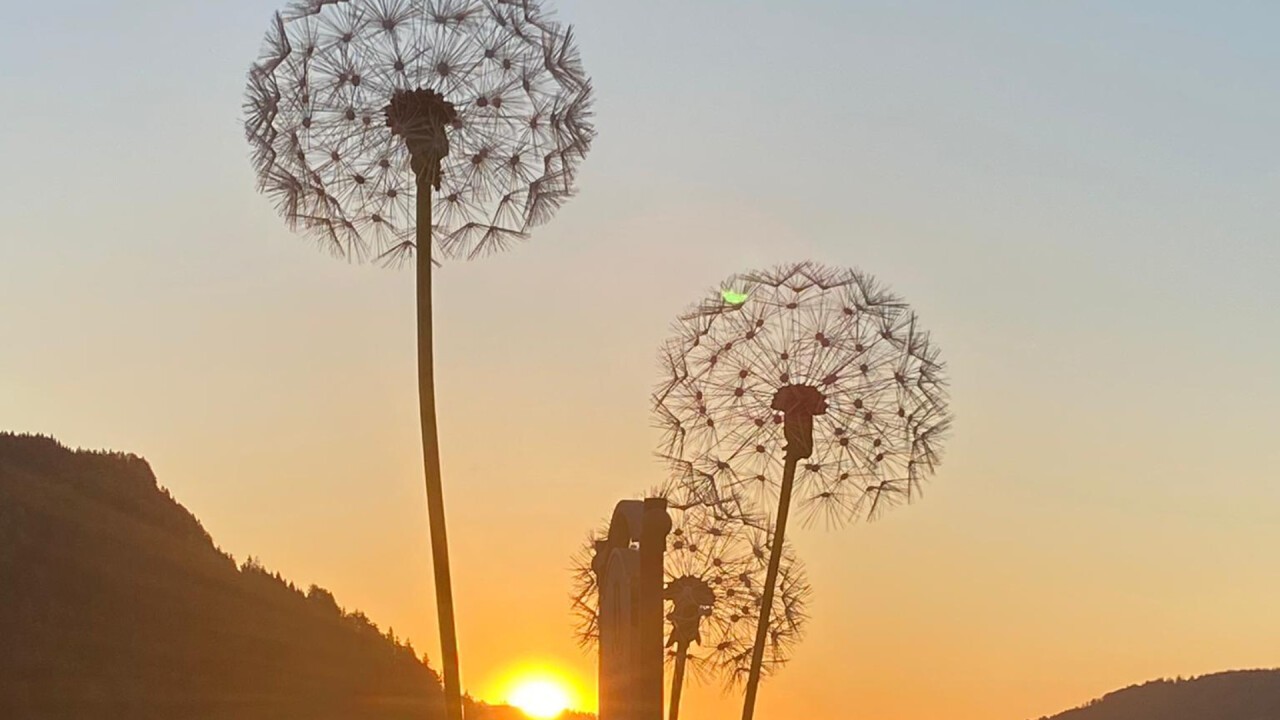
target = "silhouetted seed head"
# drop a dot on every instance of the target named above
(823, 363)
(455, 81)
(711, 561)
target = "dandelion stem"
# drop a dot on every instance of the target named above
(431, 456)
(677, 681)
(771, 580)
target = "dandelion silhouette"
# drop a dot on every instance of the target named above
(355, 105)
(383, 127)
(714, 565)
(819, 385)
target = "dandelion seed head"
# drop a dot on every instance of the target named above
(330, 67)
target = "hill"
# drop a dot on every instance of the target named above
(115, 603)
(1239, 695)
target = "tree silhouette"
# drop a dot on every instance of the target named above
(714, 568)
(381, 126)
(802, 363)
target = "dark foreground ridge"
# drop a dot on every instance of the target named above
(115, 603)
(1239, 695)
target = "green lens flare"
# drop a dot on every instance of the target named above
(733, 298)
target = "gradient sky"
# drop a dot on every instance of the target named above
(1081, 200)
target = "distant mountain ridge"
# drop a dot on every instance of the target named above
(1236, 695)
(115, 603)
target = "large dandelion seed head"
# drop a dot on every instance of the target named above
(830, 345)
(354, 101)
(714, 582)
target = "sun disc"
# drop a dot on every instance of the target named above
(542, 699)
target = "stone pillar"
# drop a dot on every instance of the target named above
(649, 644)
(616, 568)
(629, 575)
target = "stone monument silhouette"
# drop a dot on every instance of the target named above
(629, 576)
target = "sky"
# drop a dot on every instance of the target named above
(1079, 199)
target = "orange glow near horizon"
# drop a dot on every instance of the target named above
(541, 691)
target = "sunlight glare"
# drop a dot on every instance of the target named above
(540, 698)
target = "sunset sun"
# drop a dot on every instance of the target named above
(540, 697)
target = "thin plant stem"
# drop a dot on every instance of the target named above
(677, 681)
(771, 579)
(431, 458)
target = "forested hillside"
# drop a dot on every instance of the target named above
(1240, 695)
(115, 603)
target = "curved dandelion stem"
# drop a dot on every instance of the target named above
(770, 582)
(431, 459)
